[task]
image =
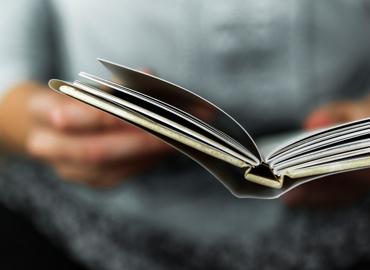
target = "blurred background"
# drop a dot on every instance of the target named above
(81, 190)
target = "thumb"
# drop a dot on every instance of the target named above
(64, 113)
(319, 119)
(335, 113)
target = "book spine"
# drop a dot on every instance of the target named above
(255, 176)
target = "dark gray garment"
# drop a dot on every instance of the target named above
(184, 222)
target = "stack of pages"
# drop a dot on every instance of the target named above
(215, 140)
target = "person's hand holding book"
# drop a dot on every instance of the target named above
(340, 188)
(87, 145)
(82, 143)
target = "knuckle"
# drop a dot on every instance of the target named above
(59, 118)
(93, 153)
(34, 145)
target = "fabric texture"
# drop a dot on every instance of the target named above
(304, 239)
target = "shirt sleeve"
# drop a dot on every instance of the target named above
(24, 50)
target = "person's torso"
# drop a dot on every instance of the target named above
(268, 63)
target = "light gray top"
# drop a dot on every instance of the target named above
(266, 62)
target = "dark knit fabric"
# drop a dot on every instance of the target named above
(304, 239)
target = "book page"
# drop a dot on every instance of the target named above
(142, 121)
(324, 152)
(160, 119)
(329, 168)
(182, 99)
(315, 139)
(170, 112)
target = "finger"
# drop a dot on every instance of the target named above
(42, 103)
(104, 166)
(318, 119)
(51, 145)
(330, 191)
(65, 113)
(349, 111)
(107, 177)
(314, 195)
(94, 148)
(335, 113)
(319, 196)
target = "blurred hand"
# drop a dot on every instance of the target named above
(87, 145)
(338, 112)
(340, 188)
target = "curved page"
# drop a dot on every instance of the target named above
(182, 99)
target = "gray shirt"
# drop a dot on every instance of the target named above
(266, 62)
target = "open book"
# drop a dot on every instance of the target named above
(214, 139)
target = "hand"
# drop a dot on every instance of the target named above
(87, 145)
(336, 189)
(338, 112)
